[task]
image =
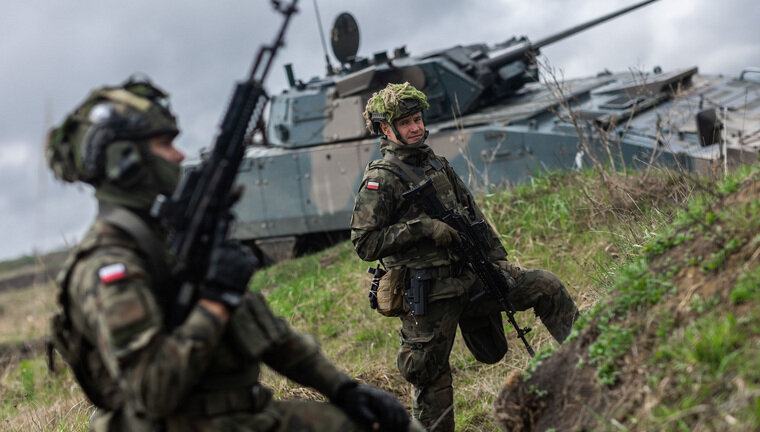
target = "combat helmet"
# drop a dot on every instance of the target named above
(394, 102)
(104, 142)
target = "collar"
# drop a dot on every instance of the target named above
(153, 224)
(412, 155)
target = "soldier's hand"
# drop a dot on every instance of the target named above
(231, 265)
(372, 407)
(509, 268)
(441, 233)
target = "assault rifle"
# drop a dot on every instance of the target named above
(473, 249)
(198, 213)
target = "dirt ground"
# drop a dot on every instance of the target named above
(564, 392)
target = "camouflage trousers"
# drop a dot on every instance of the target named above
(277, 416)
(426, 341)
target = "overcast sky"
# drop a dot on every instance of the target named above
(53, 52)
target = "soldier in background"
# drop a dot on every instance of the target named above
(116, 292)
(386, 227)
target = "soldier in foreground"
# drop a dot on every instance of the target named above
(419, 253)
(116, 296)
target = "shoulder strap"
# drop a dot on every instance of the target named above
(138, 229)
(408, 171)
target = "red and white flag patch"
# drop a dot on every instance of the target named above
(373, 185)
(112, 272)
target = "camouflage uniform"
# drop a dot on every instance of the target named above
(117, 295)
(387, 227)
(202, 375)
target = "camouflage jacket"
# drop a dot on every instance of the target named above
(147, 375)
(386, 226)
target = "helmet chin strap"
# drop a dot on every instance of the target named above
(402, 141)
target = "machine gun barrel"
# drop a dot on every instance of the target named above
(519, 51)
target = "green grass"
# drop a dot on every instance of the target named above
(33, 399)
(548, 223)
(713, 363)
(597, 233)
(747, 287)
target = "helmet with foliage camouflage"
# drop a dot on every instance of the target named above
(104, 142)
(393, 102)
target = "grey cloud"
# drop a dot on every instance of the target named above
(54, 52)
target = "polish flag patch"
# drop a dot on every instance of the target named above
(112, 272)
(373, 185)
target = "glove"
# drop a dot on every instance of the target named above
(231, 265)
(441, 233)
(372, 407)
(509, 268)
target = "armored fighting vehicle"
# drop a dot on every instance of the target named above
(491, 116)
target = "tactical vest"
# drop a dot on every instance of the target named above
(76, 349)
(423, 254)
(230, 384)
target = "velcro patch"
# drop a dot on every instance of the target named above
(112, 273)
(373, 185)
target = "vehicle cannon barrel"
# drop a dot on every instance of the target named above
(489, 115)
(522, 49)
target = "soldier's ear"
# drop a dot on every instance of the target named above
(386, 129)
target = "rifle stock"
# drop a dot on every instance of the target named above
(197, 215)
(473, 249)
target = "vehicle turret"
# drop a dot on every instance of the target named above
(490, 117)
(457, 81)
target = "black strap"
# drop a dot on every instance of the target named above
(408, 171)
(139, 230)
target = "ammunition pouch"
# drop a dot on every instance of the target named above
(389, 293)
(417, 295)
(484, 336)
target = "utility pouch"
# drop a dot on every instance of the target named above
(419, 290)
(377, 273)
(390, 291)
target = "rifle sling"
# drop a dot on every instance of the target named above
(139, 230)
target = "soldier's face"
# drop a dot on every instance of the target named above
(410, 129)
(163, 146)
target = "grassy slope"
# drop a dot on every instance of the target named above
(578, 225)
(581, 226)
(674, 346)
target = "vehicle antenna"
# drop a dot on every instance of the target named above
(330, 70)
